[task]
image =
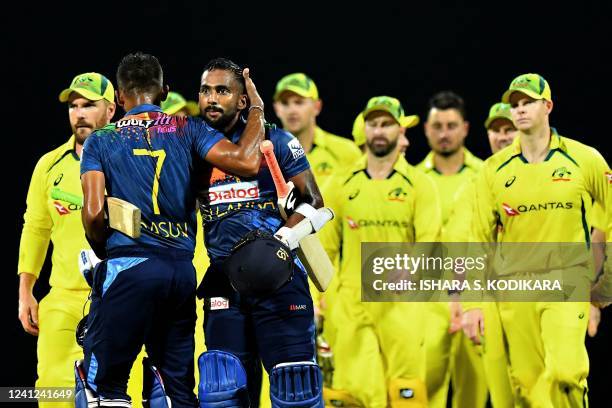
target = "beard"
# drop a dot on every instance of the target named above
(381, 149)
(222, 121)
(82, 130)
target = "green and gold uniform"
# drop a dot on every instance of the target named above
(452, 357)
(543, 202)
(377, 349)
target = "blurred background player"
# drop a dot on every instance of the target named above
(450, 164)
(277, 327)
(151, 276)
(378, 351)
(548, 357)
(175, 104)
(53, 214)
(501, 132)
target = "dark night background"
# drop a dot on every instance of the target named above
(352, 52)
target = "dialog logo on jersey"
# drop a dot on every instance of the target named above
(61, 210)
(397, 194)
(561, 174)
(511, 212)
(219, 303)
(296, 148)
(234, 192)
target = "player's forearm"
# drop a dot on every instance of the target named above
(249, 154)
(96, 230)
(26, 283)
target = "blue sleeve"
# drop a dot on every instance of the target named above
(91, 158)
(204, 136)
(289, 153)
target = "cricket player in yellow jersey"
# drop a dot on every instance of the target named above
(379, 347)
(501, 132)
(450, 165)
(53, 214)
(538, 188)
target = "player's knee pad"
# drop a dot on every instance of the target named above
(223, 381)
(153, 391)
(340, 398)
(86, 397)
(405, 393)
(298, 384)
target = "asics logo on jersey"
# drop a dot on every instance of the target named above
(58, 179)
(233, 193)
(561, 174)
(510, 181)
(353, 195)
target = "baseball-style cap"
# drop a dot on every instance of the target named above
(175, 102)
(498, 111)
(298, 83)
(386, 104)
(532, 85)
(90, 85)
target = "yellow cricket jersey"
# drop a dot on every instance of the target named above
(449, 185)
(540, 202)
(402, 208)
(330, 154)
(53, 212)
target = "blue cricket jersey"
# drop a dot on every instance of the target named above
(147, 158)
(231, 206)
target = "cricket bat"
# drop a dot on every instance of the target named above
(122, 215)
(310, 251)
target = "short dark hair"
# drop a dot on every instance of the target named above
(140, 73)
(227, 65)
(448, 100)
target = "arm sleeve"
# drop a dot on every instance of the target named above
(485, 214)
(204, 137)
(37, 226)
(331, 234)
(290, 155)
(598, 177)
(90, 159)
(427, 210)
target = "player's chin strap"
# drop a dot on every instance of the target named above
(313, 221)
(298, 384)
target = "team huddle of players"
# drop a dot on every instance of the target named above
(401, 354)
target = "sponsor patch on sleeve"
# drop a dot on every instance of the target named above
(296, 148)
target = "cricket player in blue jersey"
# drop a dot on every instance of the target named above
(144, 291)
(256, 296)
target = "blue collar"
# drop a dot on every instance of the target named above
(145, 107)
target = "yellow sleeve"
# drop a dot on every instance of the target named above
(598, 177)
(331, 234)
(427, 210)
(37, 226)
(484, 226)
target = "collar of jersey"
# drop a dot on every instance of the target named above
(319, 137)
(469, 160)
(401, 165)
(145, 107)
(556, 143)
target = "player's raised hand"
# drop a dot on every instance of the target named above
(251, 90)
(594, 319)
(473, 325)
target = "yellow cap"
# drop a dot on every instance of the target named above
(175, 102)
(382, 103)
(298, 83)
(498, 111)
(90, 85)
(532, 85)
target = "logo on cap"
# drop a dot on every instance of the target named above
(282, 254)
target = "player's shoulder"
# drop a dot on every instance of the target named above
(284, 142)
(497, 160)
(340, 144)
(576, 150)
(48, 159)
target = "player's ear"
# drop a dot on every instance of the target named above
(549, 106)
(243, 102)
(119, 97)
(318, 104)
(110, 110)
